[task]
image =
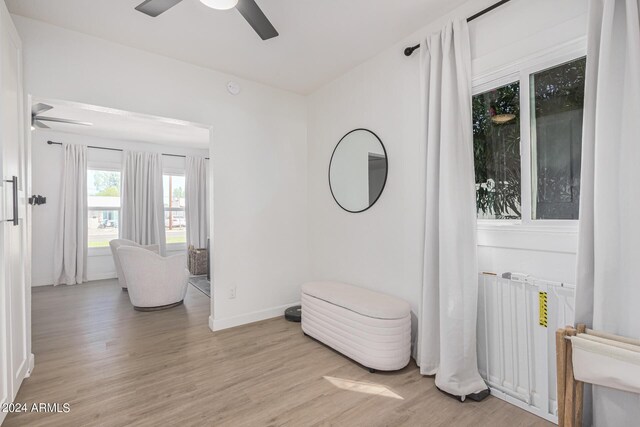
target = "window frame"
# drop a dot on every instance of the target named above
(182, 173)
(521, 72)
(105, 167)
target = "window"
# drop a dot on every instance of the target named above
(103, 191)
(550, 102)
(496, 146)
(557, 98)
(175, 223)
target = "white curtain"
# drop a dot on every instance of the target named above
(607, 290)
(197, 198)
(447, 328)
(70, 253)
(142, 216)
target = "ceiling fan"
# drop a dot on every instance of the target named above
(247, 8)
(37, 119)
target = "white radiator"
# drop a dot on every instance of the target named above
(517, 319)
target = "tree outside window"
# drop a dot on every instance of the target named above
(103, 191)
(496, 146)
(555, 101)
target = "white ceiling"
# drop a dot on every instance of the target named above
(125, 126)
(319, 39)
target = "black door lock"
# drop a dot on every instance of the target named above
(37, 200)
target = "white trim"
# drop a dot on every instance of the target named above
(552, 240)
(536, 62)
(99, 251)
(212, 242)
(168, 171)
(243, 319)
(103, 208)
(500, 225)
(48, 281)
(106, 250)
(523, 405)
(104, 166)
(495, 82)
(102, 276)
(526, 176)
(89, 107)
(176, 247)
(37, 282)
(520, 71)
(32, 364)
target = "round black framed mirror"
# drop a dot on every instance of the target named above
(358, 170)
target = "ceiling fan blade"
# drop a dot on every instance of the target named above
(39, 125)
(67, 121)
(39, 108)
(257, 19)
(154, 8)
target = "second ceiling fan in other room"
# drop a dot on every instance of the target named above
(37, 118)
(247, 8)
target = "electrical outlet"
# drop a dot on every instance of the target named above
(232, 292)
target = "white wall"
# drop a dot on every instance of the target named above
(259, 154)
(382, 248)
(47, 161)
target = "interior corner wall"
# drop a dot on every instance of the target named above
(382, 248)
(258, 151)
(47, 165)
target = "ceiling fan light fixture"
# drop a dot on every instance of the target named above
(220, 4)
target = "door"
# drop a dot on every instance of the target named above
(15, 334)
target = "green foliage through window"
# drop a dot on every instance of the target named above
(104, 183)
(496, 146)
(556, 140)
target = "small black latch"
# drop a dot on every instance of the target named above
(37, 200)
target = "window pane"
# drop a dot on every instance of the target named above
(557, 97)
(496, 146)
(173, 191)
(103, 188)
(175, 226)
(103, 227)
(174, 202)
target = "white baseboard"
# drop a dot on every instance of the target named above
(32, 364)
(102, 276)
(41, 281)
(243, 319)
(523, 405)
(44, 281)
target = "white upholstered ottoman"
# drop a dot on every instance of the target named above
(369, 327)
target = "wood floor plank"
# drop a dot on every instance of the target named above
(119, 367)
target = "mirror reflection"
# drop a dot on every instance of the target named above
(358, 170)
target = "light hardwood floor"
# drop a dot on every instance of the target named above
(118, 367)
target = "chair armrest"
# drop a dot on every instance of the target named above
(153, 248)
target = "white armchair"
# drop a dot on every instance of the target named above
(117, 243)
(155, 282)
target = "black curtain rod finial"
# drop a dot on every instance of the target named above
(409, 51)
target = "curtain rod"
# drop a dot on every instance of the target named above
(409, 50)
(118, 149)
